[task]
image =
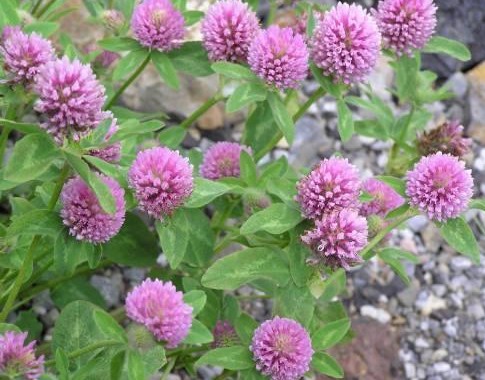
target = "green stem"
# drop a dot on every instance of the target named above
(45, 8)
(9, 115)
(29, 257)
(394, 153)
(168, 368)
(367, 253)
(201, 110)
(36, 7)
(301, 111)
(87, 350)
(129, 81)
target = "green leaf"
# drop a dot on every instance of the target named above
(8, 13)
(450, 47)
(282, 117)
(4, 327)
(153, 360)
(136, 367)
(345, 120)
(244, 95)
(172, 137)
(478, 204)
(129, 63)
(330, 287)
(192, 17)
(108, 325)
(133, 127)
(116, 365)
(398, 184)
(187, 236)
(62, 364)
(248, 169)
(206, 191)
(406, 76)
(297, 255)
(330, 334)
(198, 334)
(69, 253)
(75, 329)
(196, 299)
(110, 170)
(260, 129)
(234, 71)
(295, 303)
(44, 28)
(327, 365)
(334, 89)
(25, 128)
(275, 219)
(233, 358)
(134, 245)
(76, 289)
(245, 326)
(459, 236)
(192, 59)
(31, 157)
(247, 265)
(27, 321)
(35, 222)
(119, 44)
(166, 69)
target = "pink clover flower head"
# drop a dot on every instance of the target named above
(162, 180)
(332, 185)
(224, 335)
(406, 24)
(110, 153)
(282, 349)
(385, 198)
(70, 97)
(83, 214)
(440, 186)
(337, 238)
(279, 57)
(447, 138)
(346, 43)
(227, 29)
(161, 309)
(157, 24)
(23, 54)
(17, 359)
(222, 160)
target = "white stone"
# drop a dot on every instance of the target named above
(379, 315)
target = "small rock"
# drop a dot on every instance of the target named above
(410, 370)
(379, 315)
(476, 311)
(439, 355)
(429, 304)
(441, 367)
(460, 263)
(418, 223)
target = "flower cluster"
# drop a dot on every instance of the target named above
(70, 97)
(24, 54)
(446, 138)
(161, 309)
(224, 335)
(112, 152)
(384, 198)
(440, 186)
(162, 180)
(157, 24)
(279, 57)
(333, 185)
(346, 43)
(83, 214)
(18, 360)
(227, 29)
(282, 349)
(222, 160)
(406, 24)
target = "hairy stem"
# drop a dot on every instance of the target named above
(394, 154)
(87, 350)
(29, 257)
(368, 252)
(301, 111)
(129, 81)
(9, 115)
(201, 110)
